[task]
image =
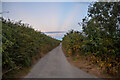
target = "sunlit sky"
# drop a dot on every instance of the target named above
(47, 16)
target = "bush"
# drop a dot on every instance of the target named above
(20, 44)
(102, 37)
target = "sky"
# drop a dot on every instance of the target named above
(47, 16)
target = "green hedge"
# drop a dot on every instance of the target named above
(101, 40)
(20, 44)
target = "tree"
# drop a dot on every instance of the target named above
(102, 27)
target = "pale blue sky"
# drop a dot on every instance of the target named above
(48, 16)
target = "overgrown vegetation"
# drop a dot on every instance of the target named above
(20, 44)
(100, 39)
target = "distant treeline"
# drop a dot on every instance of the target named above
(21, 44)
(100, 39)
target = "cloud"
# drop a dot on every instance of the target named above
(56, 35)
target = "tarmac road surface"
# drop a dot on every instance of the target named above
(55, 65)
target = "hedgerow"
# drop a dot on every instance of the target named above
(100, 39)
(21, 43)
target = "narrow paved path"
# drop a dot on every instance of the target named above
(55, 65)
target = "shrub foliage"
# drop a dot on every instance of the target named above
(100, 39)
(21, 43)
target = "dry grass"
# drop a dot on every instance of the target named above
(82, 63)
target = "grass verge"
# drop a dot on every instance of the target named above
(85, 65)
